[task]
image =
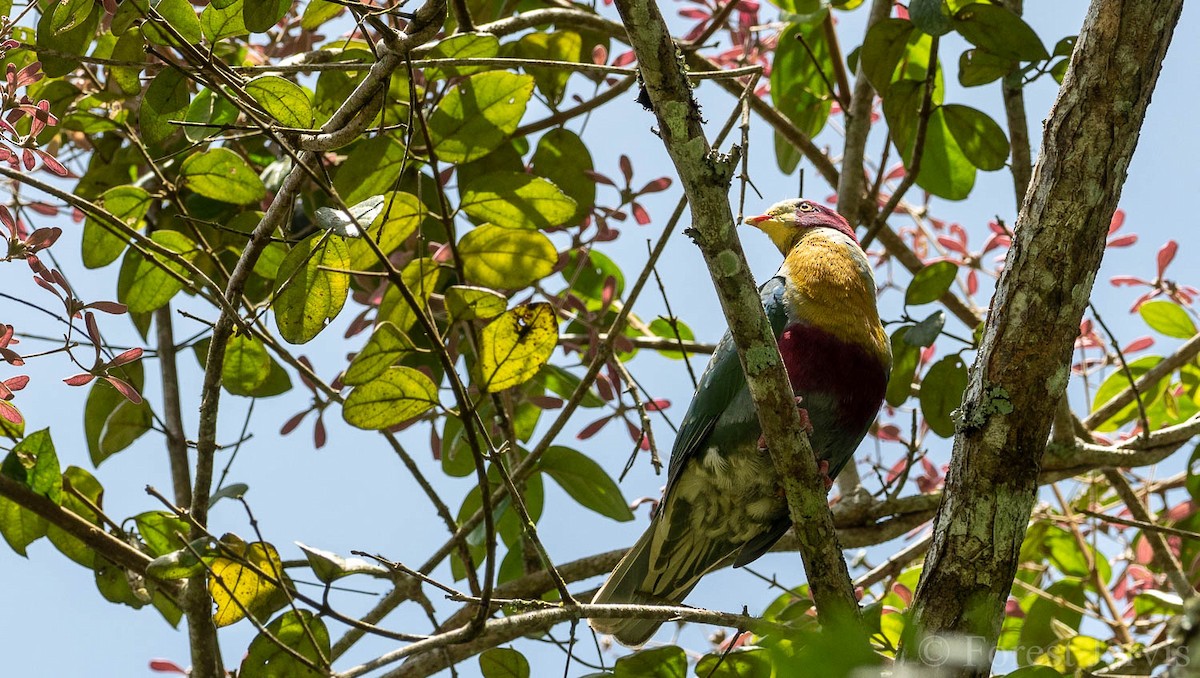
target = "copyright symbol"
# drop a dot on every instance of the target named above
(934, 650)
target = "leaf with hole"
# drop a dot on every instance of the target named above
(514, 346)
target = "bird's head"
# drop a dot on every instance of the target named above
(785, 221)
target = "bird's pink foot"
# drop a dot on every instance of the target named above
(823, 469)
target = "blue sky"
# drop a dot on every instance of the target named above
(353, 495)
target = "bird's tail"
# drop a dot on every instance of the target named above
(633, 583)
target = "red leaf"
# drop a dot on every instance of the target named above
(599, 54)
(291, 424)
(1122, 240)
(166, 666)
(1126, 280)
(640, 215)
(592, 428)
(110, 307)
(319, 435)
(79, 380)
(626, 168)
(1118, 218)
(624, 59)
(659, 184)
(1139, 344)
(126, 357)
(125, 389)
(889, 432)
(1166, 254)
(952, 244)
(51, 163)
(972, 282)
(657, 405)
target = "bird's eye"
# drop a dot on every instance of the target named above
(806, 207)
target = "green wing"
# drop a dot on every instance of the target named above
(721, 382)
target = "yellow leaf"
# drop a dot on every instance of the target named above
(235, 587)
(514, 347)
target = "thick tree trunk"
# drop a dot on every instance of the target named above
(1022, 366)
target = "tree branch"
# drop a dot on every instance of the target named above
(1040, 297)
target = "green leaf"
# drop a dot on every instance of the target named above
(799, 85)
(423, 276)
(246, 365)
(179, 564)
(310, 295)
(208, 107)
(905, 357)
(317, 12)
(662, 327)
(223, 175)
(221, 23)
(563, 384)
(1167, 317)
(479, 114)
(506, 258)
(556, 46)
(110, 422)
(392, 398)
(517, 200)
(461, 46)
(128, 204)
(930, 283)
(387, 346)
(1037, 633)
(161, 531)
(999, 31)
(503, 662)
(400, 216)
(977, 67)
(588, 272)
(752, 662)
(945, 169)
(131, 46)
(1034, 672)
(295, 630)
(34, 464)
(372, 168)
(68, 14)
(145, 285)
(787, 156)
(79, 481)
(564, 159)
(1066, 556)
(1116, 382)
(926, 332)
(1193, 474)
(68, 42)
(886, 43)
(329, 566)
(982, 140)
(261, 16)
(660, 662)
(166, 99)
(585, 480)
(513, 347)
(942, 392)
(465, 302)
(283, 100)
(800, 7)
(180, 16)
(931, 16)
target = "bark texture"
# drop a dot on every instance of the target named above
(705, 175)
(1022, 366)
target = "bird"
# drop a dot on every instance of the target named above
(723, 500)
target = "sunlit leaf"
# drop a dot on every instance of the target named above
(517, 200)
(999, 31)
(478, 114)
(1168, 318)
(223, 175)
(513, 347)
(397, 395)
(101, 246)
(310, 293)
(236, 587)
(930, 283)
(506, 258)
(283, 100)
(385, 348)
(296, 630)
(465, 302)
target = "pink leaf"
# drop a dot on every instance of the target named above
(1139, 344)
(166, 666)
(16, 383)
(291, 424)
(1122, 240)
(124, 389)
(126, 357)
(640, 215)
(592, 428)
(599, 54)
(53, 164)
(1118, 218)
(659, 184)
(1126, 280)
(626, 168)
(889, 432)
(111, 307)
(657, 405)
(952, 244)
(624, 59)
(1166, 254)
(82, 379)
